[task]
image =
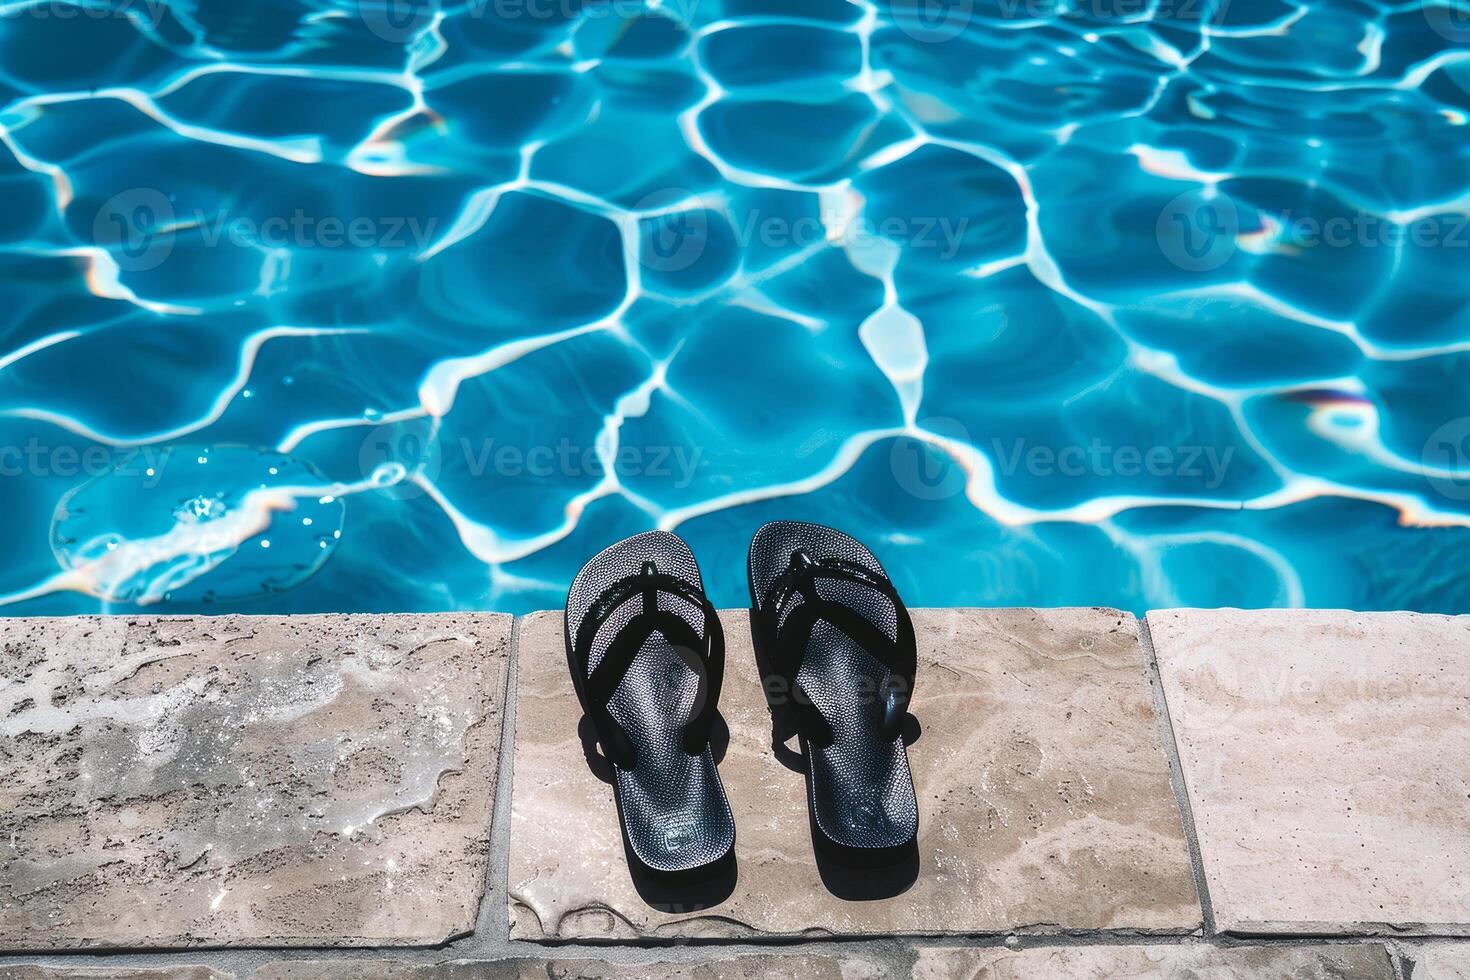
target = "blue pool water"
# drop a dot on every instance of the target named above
(327, 306)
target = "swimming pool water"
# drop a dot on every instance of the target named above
(328, 306)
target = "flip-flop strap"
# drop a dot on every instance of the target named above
(788, 640)
(704, 656)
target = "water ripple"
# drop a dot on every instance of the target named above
(1058, 301)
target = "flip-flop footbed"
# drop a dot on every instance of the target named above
(859, 786)
(675, 815)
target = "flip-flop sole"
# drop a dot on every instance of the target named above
(860, 791)
(672, 808)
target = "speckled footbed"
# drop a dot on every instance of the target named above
(859, 787)
(675, 814)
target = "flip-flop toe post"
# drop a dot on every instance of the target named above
(647, 653)
(839, 646)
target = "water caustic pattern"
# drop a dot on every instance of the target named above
(328, 306)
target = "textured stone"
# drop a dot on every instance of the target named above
(278, 781)
(26, 972)
(1324, 754)
(1181, 962)
(1441, 961)
(756, 966)
(1040, 771)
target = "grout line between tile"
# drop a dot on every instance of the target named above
(491, 924)
(1403, 963)
(240, 964)
(1177, 778)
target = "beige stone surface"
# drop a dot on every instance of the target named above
(1042, 782)
(25, 972)
(1178, 962)
(1324, 754)
(262, 780)
(714, 966)
(1440, 961)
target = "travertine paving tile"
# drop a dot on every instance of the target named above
(1325, 758)
(299, 780)
(25, 972)
(1440, 961)
(1042, 780)
(755, 966)
(1182, 962)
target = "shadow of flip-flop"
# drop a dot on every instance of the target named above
(688, 891)
(887, 877)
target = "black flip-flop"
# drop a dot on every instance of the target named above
(647, 657)
(839, 643)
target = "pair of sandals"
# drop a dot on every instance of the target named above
(647, 657)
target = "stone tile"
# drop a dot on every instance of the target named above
(755, 966)
(1324, 755)
(1179, 962)
(28, 972)
(1041, 775)
(1440, 961)
(275, 781)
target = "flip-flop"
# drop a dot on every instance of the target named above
(839, 643)
(647, 657)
